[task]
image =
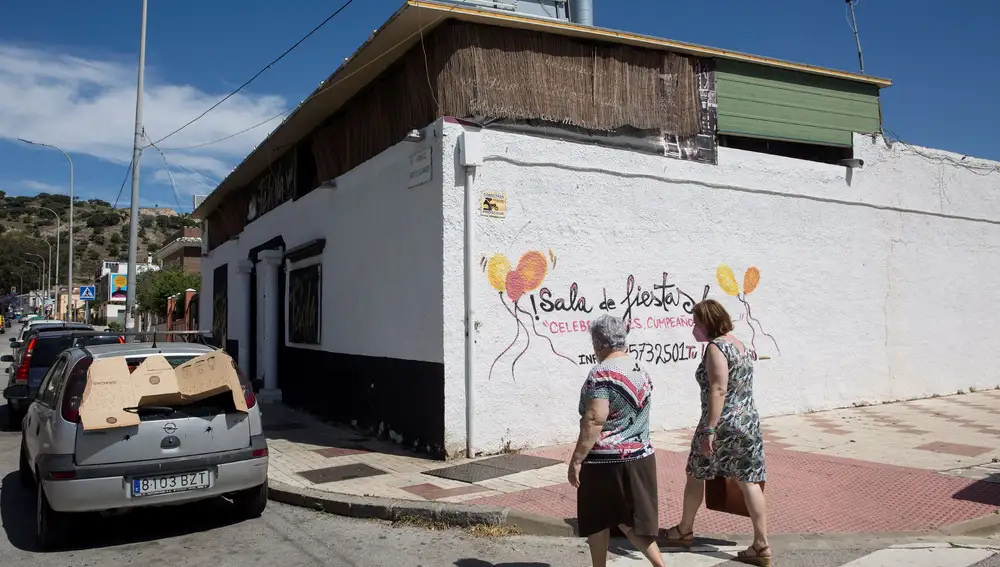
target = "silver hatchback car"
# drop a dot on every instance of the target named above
(175, 455)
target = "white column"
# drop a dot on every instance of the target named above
(244, 271)
(267, 335)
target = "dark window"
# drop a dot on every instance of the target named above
(47, 349)
(796, 150)
(53, 381)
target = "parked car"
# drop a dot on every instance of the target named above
(33, 361)
(177, 453)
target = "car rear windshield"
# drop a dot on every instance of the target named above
(47, 349)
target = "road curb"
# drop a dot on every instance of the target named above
(465, 515)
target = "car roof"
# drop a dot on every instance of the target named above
(147, 349)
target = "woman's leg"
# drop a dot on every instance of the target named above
(645, 544)
(753, 495)
(599, 548)
(694, 495)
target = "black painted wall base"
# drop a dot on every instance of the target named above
(406, 395)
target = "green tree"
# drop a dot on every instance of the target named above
(154, 287)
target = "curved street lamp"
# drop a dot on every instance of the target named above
(69, 263)
(58, 239)
(48, 283)
(39, 271)
(46, 269)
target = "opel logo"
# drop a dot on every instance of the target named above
(170, 428)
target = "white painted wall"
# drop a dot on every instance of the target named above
(866, 301)
(381, 275)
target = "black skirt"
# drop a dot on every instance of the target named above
(613, 494)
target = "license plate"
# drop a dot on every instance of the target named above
(165, 484)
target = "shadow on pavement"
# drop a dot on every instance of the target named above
(93, 531)
(982, 491)
(483, 563)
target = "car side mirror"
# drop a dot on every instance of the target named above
(15, 345)
(12, 339)
(6, 358)
(18, 392)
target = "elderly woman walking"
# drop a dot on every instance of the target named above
(614, 467)
(728, 441)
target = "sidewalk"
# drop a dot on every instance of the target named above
(907, 466)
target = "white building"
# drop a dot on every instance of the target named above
(336, 272)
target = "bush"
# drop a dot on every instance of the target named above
(116, 238)
(115, 327)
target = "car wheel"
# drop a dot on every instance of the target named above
(252, 501)
(24, 470)
(50, 526)
(14, 418)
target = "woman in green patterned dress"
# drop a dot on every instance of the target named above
(728, 441)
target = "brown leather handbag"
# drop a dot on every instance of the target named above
(724, 495)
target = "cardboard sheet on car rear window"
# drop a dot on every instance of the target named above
(111, 387)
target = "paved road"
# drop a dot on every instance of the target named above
(208, 535)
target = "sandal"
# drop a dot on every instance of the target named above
(685, 540)
(755, 559)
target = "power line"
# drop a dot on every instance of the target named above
(259, 73)
(127, 171)
(326, 87)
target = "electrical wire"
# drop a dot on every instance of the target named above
(331, 85)
(127, 171)
(978, 169)
(259, 73)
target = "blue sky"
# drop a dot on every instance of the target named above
(67, 74)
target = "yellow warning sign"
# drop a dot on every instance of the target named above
(493, 204)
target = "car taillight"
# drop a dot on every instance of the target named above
(74, 390)
(249, 397)
(22, 371)
(258, 453)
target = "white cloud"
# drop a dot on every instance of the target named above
(87, 106)
(41, 187)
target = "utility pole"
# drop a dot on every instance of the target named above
(133, 232)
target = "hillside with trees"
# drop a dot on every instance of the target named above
(100, 232)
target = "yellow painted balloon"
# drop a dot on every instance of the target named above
(496, 270)
(533, 267)
(727, 280)
(750, 279)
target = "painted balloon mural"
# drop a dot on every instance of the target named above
(514, 282)
(751, 278)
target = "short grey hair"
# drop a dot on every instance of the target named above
(609, 332)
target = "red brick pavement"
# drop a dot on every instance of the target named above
(807, 493)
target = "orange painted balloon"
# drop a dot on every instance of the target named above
(750, 279)
(533, 267)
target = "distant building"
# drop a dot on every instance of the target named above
(183, 250)
(112, 281)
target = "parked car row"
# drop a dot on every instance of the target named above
(178, 453)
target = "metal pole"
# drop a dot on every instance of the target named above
(133, 233)
(69, 262)
(857, 39)
(41, 284)
(39, 272)
(58, 238)
(48, 276)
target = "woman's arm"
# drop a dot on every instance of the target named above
(591, 425)
(718, 380)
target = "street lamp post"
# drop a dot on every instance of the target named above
(39, 271)
(58, 238)
(48, 282)
(46, 269)
(69, 262)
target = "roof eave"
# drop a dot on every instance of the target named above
(293, 128)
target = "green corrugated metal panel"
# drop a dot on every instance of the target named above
(766, 102)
